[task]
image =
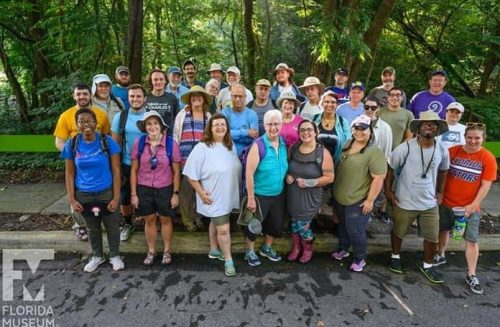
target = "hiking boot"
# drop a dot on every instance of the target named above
(216, 254)
(267, 251)
(229, 269)
(474, 285)
(125, 232)
(117, 263)
(339, 254)
(251, 258)
(438, 260)
(93, 264)
(358, 266)
(385, 218)
(296, 248)
(395, 266)
(432, 274)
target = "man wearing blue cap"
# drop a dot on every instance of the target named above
(174, 85)
(435, 98)
(354, 107)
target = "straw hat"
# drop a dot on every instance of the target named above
(288, 95)
(312, 81)
(186, 97)
(283, 66)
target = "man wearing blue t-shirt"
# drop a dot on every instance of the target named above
(120, 89)
(354, 107)
(174, 85)
(435, 98)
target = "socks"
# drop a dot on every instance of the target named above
(395, 256)
(427, 265)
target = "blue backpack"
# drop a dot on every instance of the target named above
(170, 144)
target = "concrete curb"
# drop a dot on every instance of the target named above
(197, 243)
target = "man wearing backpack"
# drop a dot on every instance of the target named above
(124, 131)
(103, 98)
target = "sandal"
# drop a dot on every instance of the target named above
(81, 233)
(167, 258)
(149, 259)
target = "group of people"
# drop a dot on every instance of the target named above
(208, 149)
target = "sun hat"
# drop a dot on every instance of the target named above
(214, 67)
(246, 216)
(263, 82)
(313, 81)
(456, 105)
(361, 121)
(186, 97)
(99, 78)
(283, 66)
(141, 124)
(288, 95)
(429, 115)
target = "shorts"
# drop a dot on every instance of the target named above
(154, 200)
(447, 220)
(125, 201)
(220, 220)
(428, 222)
(273, 212)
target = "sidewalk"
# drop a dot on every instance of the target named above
(50, 198)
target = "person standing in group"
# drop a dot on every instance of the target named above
(290, 127)
(354, 107)
(154, 182)
(309, 169)
(265, 181)
(456, 131)
(93, 186)
(216, 185)
(189, 69)
(212, 87)
(359, 179)
(381, 93)
(120, 89)
(313, 88)
(224, 98)
(262, 102)
(333, 130)
(174, 85)
(103, 98)
(472, 171)
(189, 128)
(340, 88)
(419, 167)
(283, 76)
(216, 72)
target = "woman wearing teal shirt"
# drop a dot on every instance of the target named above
(265, 178)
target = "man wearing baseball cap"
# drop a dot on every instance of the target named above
(233, 77)
(283, 76)
(340, 88)
(353, 108)
(262, 103)
(435, 98)
(103, 98)
(120, 89)
(174, 85)
(381, 93)
(456, 131)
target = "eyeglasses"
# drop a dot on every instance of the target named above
(306, 130)
(395, 95)
(476, 125)
(329, 101)
(372, 108)
(85, 122)
(273, 124)
(154, 162)
(219, 125)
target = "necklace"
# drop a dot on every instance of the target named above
(327, 122)
(426, 170)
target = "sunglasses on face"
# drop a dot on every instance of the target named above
(154, 162)
(372, 108)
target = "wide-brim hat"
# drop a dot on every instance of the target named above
(141, 124)
(246, 215)
(283, 66)
(214, 67)
(429, 115)
(313, 81)
(186, 97)
(288, 95)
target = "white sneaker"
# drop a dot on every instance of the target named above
(126, 231)
(117, 263)
(93, 264)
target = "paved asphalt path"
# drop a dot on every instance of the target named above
(193, 291)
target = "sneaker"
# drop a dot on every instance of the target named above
(438, 260)
(93, 264)
(117, 263)
(474, 285)
(267, 251)
(358, 266)
(432, 274)
(229, 269)
(126, 231)
(216, 254)
(251, 258)
(339, 254)
(395, 266)
(385, 218)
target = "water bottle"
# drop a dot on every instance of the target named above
(459, 228)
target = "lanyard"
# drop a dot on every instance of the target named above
(426, 170)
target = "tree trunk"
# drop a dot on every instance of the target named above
(250, 38)
(135, 27)
(267, 44)
(233, 40)
(14, 84)
(490, 63)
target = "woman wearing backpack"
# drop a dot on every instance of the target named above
(154, 182)
(310, 167)
(93, 186)
(214, 170)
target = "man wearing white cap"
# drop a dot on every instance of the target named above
(456, 131)
(103, 98)
(120, 89)
(284, 83)
(233, 76)
(217, 73)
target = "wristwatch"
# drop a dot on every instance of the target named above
(176, 192)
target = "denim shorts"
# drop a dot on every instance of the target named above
(447, 219)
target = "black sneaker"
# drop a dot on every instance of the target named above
(395, 266)
(385, 218)
(474, 285)
(438, 260)
(432, 275)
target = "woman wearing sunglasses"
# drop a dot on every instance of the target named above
(154, 182)
(358, 181)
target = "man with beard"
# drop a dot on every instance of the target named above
(66, 128)
(189, 69)
(174, 85)
(284, 83)
(120, 89)
(419, 166)
(381, 93)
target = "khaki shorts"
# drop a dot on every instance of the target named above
(428, 222)
(221, 220)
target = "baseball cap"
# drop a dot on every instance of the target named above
(188, 62)
(456, 105)
(233, 69)
(174, 70)
(263, 82)
(342, 71)
(439, 72)
(122, 69)
(389, 70)
(362, 121)
(358, 84)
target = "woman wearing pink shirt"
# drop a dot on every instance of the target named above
(289, 130)
(154, 182)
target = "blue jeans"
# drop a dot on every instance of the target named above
(352, 229)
